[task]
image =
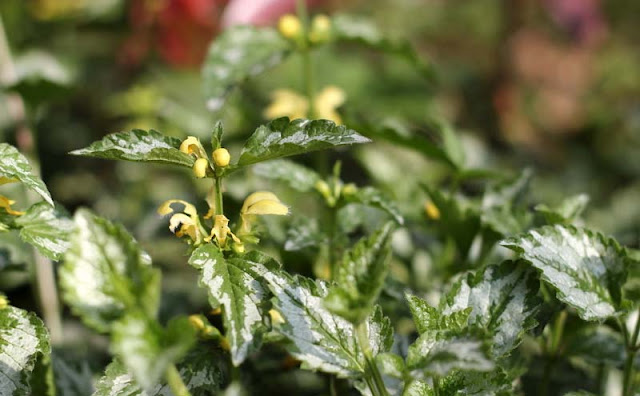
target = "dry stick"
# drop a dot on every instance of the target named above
(45, 278)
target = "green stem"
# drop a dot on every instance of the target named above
(629, 372)
(557, 331)
(175, 382)
(219, 207)
(307, 67)
(332, 256)
(372, 374)
(436, 386)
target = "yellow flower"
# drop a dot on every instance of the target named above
(287, 103)
(320, 29)
(185, 223)
(290, 26)
(221, 231)
(431, 210)
(192, 145)
(327, 101)
(276, 318)
(221, 157)
(200, 167)
(6, 204)
(260, 203)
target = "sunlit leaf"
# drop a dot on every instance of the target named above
(46, 228)
(139, 146)
(14, 165)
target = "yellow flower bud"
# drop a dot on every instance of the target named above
(197, 322)
(432, 210)
(192, 145)
(200, 167)
(290, 26)
(320, 29)
(221, 157)
(276, 318)
(3, 302)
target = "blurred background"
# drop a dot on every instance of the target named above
(553, 85)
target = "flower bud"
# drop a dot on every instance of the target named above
(349, 189)
(221, 157)
(290, 26)
(432, 210)
(320, 29)
(200, 167)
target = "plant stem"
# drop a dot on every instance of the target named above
(557, 331)
(175, 382)
(331, 256)
(45, 283)
(436, 386)
(629, 372)
(307, 67)
(219, 207)
(372, 374)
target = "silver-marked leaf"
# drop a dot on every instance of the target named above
(418, 388)
(428, 318)
(374, 198)
(139, 146)
(502, 298)
(359, 30)
(235, 284)
(236, 55)
(46, 228)
(360, 276)
(566, 212)
(321, 340)
(105, 273)
(495, 383)
(14, 165)
(586, 268)
(282, 138)
(296, 176)
(23, 340)
(146, 349)
(438, 353)
(304, 233)
(201, 371)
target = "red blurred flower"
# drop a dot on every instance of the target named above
(180, 30)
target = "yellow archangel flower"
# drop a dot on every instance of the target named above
(184, 223)
(260, 203)
(6, 202)
(432, 210)
(287, 103)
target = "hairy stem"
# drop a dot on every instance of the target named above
(219, 207)
(372, 374)
(175, 382)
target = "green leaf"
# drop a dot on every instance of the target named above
(139, 146)
(235, 283)
(374, 198)
(296, 176)
(202, 371)
(216, 136)
(71, 377)
(281, 138)
(362, 31)
(568, 210)
(23, 341)
(496, 383)
(146, 349)
(321, 340)
(598, 345)
(418, 388)
(304, 233)
(438, 353)
(502, 298)
(360, 276)
(237, 54)
(427, 318)
(105, 273)
(46, 228)
(586, 269)
(14, 165)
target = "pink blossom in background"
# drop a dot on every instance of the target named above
(581, 18)
(258, 12)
